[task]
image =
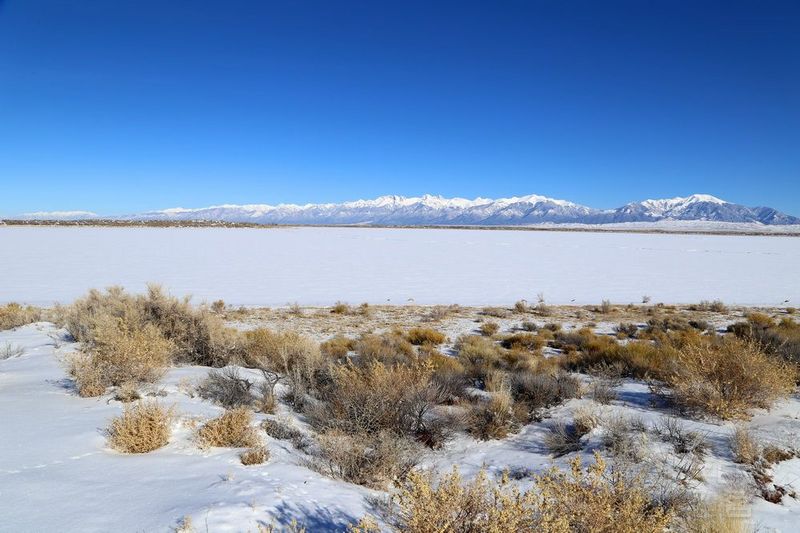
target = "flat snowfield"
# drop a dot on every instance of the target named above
(318, 266)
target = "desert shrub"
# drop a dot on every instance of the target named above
(494, 418)
(121, 354)
(744, 447)
(341, 308)
(337, 347)
(726, 377)
(540, 390)
(529, 326)
(289, 353)
(553, 326)
(227, 388)
(579, 501)
(420, 336)
(440, 312)
(281, 430)
(127, 393)
(683, 440)
(625, 440)
(791, 310)
(141, 428)
(715, 306)
(389, 347)
(489, 328)
(254, 456)
(14, 315)
(781, 339)
(626, 329)
(477, 354)
(725, 513)
(521, 306)
(377, 397)
(370, 459)
(232, 429)
(666, 324)
(562, 438)
(497, 312)
(602, 391)
(522, 341)
(605, 307)
(199, 336)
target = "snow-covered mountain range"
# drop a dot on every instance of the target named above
(436, 210)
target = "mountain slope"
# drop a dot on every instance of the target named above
(436, 210)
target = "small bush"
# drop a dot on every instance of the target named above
(420, 336)
(254, 456)
(626, 329)
(529, 326)
(391, 347)
(494, 418)
(582, 500)
(744, 447)
(537, 391)
(281, 430)
(14, 315)
(602, 392)
(232, 429)
(489, 328)
(521, 306)
(337, 347)
(121, 354)
(727, 377)
(227, 388)
(726, 513)
(366, 459)
(522, 341)
(341, 308)
(497, 312)
(562, 439)
(140, 429)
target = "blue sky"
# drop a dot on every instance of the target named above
(121, 106)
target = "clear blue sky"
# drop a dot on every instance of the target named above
(121, 106)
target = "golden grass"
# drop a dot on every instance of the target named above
(254, 456)
(141, 428)
(421, 336)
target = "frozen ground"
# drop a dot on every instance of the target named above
(318, 266)
(57, 473)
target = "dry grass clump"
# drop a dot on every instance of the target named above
(562, 438)
(337, 347)
(283, 430)
(421, 336)
(254, 456)
(390, 347)
(497, 312)
(141, 428)
(522, 341)
(199, 336)
(494, 418)
(370, 459)
(744, 447)
(14, 315)
(121, 354)
(726, 377)
(489, 328)
(715, 306)
(584, 500)
(541, 390)
(232, 429)
(726, 513)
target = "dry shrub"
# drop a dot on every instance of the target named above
(199, 336)
(744, 447)
(14, 315)
(522, 341)
(391, 347)
(378, 397)
(489, 328)
(477, 354)
(421, 336)
(726, 513)
(583, 501)
(370, 459)
(289, 353)
(529, 326)
(337, 347)
(121, 354)
(281, 430)
(227, 388)
(127, 392)
(141, 428)
(540, 390)
(494, 418)
(562, 438)
(497, 312)
(781, 339)
(602, 391)
(341, 308)
(254, 456)
(232, 429)
(726, 377)
(521, 306)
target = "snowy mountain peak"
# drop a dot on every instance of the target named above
(437, 210)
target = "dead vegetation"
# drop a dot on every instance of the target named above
(232, 429)
(142, 428)
(14, 315)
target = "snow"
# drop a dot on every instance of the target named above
(318, 266)
(57, 474)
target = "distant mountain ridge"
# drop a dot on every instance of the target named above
(436, 210)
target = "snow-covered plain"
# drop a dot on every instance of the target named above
(318, 266)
